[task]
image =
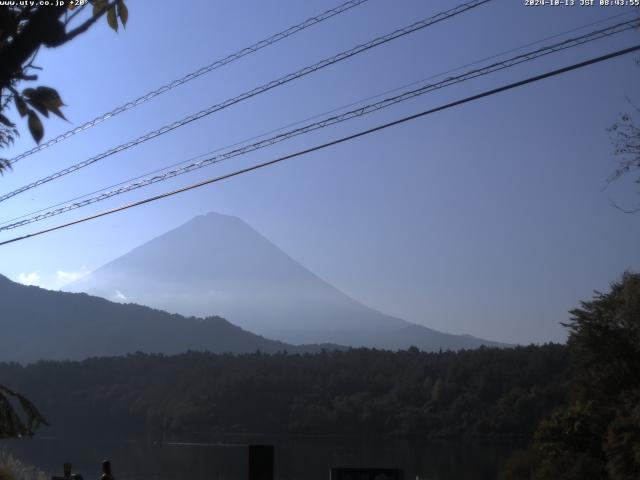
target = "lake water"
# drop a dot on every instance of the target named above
(296, 457)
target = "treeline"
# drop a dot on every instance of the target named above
(476, 393)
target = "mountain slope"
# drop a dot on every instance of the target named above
(217, 264)
(42, 324)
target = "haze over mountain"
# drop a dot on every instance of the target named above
(43, 324)
(218, 265)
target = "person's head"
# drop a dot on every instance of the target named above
(66, 468)
(106, 467)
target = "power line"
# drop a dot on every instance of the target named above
(364, 110)
(195, 74)
(256, 91)
(334, 142)
(333, 110)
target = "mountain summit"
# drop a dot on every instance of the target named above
(218, 265)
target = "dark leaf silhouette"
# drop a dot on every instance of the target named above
(35, 126)
(5, 121)
(39, 107)
(112, 18)
(123, 12)
(21, 106)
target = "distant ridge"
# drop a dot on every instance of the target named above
(217, 264)
(40, 324)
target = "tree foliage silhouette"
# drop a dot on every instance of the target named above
(11, 423)
(597, 434)
(24, 30)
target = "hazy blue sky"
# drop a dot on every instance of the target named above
(486, 219)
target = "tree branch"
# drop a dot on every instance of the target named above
(74, 14)
(87, 24)
(624, 210)
(42, 28)
(11, 425)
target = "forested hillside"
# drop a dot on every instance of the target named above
(41, 324)
(485, 392)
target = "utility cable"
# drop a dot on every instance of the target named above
(256, 91)
(193, 75)
(333, 142)
(498, 66)
(316, 116)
